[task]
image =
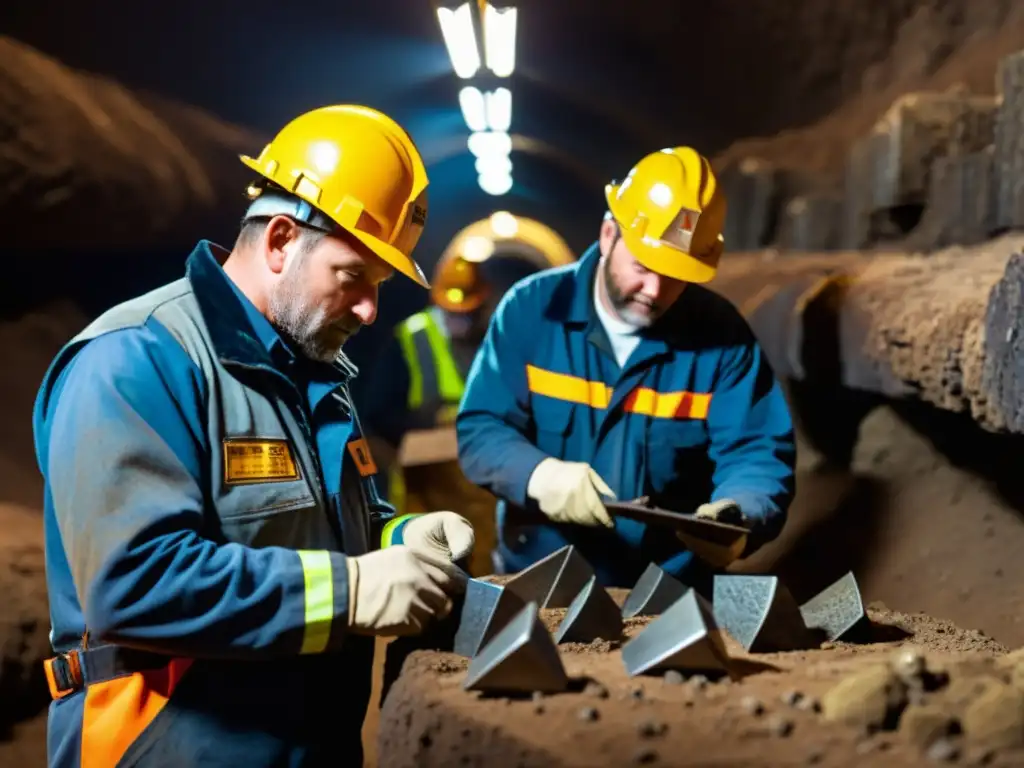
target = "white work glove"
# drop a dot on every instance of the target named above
(722, 511)
(398, 590)
(442, 534)
(569, 492)
(717, 555)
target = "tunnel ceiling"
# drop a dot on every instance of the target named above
(596, 85)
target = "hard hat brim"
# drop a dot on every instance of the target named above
(663, 259)
(668, 261)
(404, 264)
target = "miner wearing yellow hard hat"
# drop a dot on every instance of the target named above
(623, 376)
(218, 558)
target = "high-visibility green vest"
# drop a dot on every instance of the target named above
(435, 384)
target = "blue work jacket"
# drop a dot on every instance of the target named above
(204, 487)
(695, 415)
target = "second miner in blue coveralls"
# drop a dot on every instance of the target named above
(620, 375)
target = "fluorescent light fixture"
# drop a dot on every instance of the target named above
(473, 111)
(494, 164)
(500, 39)
(495, 183)
(490, 144)
(504, 224)
(499, 109)
(460, 39)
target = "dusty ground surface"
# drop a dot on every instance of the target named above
(827, 707)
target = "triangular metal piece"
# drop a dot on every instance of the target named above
(592, 615)
(654, 592)
(521, 658)
(486, 608)
(837, 611)
(760, 613)
(554, 581)
(681, 638)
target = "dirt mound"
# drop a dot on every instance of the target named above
(86, 163)
(842, 705)
(923, 45)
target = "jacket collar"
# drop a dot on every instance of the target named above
(239, 333)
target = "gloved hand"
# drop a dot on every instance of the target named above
(569, 492)
(722, 511)
(443, 534)
(717, 555)
(398, 590)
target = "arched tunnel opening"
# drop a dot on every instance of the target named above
(868, 153)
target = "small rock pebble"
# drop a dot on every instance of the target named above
(637, 693)
(698, 682)
(538, 695)
(809, 704)
(791, 698)
(780, 726)
(752, 706)
(814, 757)
(588, 714)
(651, 728)
(596, 690)
(645, 756)
(674, 677)
(943, 751)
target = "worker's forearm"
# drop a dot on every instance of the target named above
(183, 595)
(496, 456)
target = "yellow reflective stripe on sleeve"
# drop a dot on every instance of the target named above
(319, 578)
(385, 535)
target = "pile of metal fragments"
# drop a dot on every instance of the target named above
(510, 649)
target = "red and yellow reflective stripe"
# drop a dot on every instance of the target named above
(596, 394)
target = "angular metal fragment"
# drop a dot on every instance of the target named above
(684, 637)
(554, 581)
(837, 611)
(521, 658)
(591, 615)
(652, 594)
(760, 613)
(486, 608)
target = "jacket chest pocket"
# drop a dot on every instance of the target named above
(553, 421)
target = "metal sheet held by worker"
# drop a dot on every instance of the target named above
(521, 658)
(592, 615)
(654, 592)
(684, 637)
(760, 613)
(486, 609)
(837, 611)
(554, 581)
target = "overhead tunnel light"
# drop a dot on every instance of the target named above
(489, 144)
(491, 110)
(473, 108)
(504, 224)
(460, 39)
(494, 164)
(500, 39)
(495, 183)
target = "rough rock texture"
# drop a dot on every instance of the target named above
(24, 620)
(773, 710)
(942, 328)
(85, 163)
(863, 58)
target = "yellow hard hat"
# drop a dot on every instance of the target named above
(671, 212)
(458, 285)
(362, 170)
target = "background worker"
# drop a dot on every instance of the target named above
(621, 376)
(419, 378)
(213, 530)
